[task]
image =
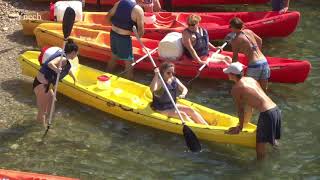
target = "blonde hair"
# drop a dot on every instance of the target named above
(193, 20)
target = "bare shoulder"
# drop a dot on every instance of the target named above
(237, 89)
(138, 9)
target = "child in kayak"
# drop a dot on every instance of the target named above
(47, 75)
(195, 40)
(161, 101)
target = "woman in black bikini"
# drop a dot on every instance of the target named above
(48, 74)
(161, 101)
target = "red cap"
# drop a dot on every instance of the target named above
(103, 78)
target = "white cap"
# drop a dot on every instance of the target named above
(234, 68)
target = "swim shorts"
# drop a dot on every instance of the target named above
(121, 46)
(259, 70)
(269, 126)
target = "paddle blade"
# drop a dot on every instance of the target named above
(191, 139)
(68, 21)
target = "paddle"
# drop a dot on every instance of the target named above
(190, 138)
(137, 61)
(228, 39)
(67, 24)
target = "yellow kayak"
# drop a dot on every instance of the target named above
(131, 101)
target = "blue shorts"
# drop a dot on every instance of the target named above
(269, 126)
(121, 46)
(259, 70)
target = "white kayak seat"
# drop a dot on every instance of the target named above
(170, 47)
(61, 6)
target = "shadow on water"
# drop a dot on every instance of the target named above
(21, 90)
(19, 38)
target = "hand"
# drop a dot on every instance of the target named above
(203, 62)
(182, 96)
(284, 10)
(234, 130)
(156, 70)
(74, 81)
(58, 70)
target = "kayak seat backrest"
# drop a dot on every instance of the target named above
(84, 34)
(103, 38)
(95, 18)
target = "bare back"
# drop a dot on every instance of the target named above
(246, 43)
(250, 92)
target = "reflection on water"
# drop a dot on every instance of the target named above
(89, 144)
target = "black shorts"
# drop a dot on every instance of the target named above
(269, 126)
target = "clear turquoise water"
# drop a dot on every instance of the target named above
(90, 144)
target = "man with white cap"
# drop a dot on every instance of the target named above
(247, 92)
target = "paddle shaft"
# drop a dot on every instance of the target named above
(159, 75)
(137, 61)
(55, 89)
(217, 52)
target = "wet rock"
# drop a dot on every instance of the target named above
(13, 15)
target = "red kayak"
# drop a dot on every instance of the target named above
(184, 3)
(95, 44)
(17, 175)
(264, 24)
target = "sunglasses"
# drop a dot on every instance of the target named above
(191, 25)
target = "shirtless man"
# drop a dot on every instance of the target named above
(247, 91)
(250, 44)
(123, 16)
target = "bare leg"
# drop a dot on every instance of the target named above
(42, 101)
(194, 114)
(129, 74)
(174, 114)
(264, 84)
(112, 63)
(261, 151)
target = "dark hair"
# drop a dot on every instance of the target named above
(239, 75)
(236, 23)
(164, 66)
(70, 47)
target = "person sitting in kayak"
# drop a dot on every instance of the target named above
(123, 16)
(161, 101)
(195, 40)
(47, 75)
(247, 42)
(149, 5)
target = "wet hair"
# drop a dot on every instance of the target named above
(236, 23)
(70, 47)
(193, 19)
(164, 66)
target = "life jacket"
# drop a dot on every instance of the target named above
(122, 16)
(49, 53)
(50, 74)
(161, 100)
(277, 5)
(201, 46)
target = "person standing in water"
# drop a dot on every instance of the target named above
(123, 16)
(48, 75)
(247, 42)
(161, 101)
(247, 92)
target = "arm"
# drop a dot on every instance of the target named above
(240, 108)
(211, 46)
(73, 76)
(155, 85)
(182, 88)
(54, 64)
(111, 13)
(235, 51)
(139, 20)
(186, 41)
(156, 6)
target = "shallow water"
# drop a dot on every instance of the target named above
(90, 144)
